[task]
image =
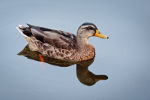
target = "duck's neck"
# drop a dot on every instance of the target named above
(82, 43)
(85, 50)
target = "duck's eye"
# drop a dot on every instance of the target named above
(89, 28)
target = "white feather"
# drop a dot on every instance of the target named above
(20, 31)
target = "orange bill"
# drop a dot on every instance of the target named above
(98, 34)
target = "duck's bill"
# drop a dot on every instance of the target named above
(98, 34)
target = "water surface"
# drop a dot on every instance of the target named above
(124, 58)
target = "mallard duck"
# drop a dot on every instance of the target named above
(62, 45)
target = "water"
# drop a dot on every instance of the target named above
(124, 58)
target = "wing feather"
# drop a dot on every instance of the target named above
(55, 38)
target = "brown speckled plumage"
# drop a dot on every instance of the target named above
(59, 44)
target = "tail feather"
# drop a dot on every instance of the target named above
(25, 31)
(21, 26)
(30, 25)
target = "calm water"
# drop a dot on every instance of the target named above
(124, 58)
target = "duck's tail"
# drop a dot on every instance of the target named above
(25, 31)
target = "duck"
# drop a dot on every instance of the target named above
(60, 44)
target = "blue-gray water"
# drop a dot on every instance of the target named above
(124, 58)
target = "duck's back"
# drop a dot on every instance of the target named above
(49, 42)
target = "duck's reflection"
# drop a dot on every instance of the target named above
(84, 75)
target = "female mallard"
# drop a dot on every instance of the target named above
(62, 45)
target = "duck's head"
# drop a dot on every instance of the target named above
(87, 30)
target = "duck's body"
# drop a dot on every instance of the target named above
(59, 44)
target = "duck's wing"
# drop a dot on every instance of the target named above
(55, 38)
